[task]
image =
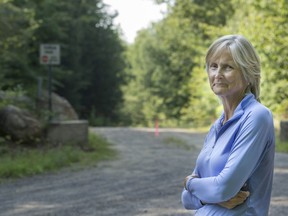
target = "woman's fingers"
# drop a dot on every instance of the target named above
(240, 197)
(243, 194)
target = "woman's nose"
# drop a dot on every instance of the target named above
(219, 72)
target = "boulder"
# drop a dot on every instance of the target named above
(62, 110)
(18, 124)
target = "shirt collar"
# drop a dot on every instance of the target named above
(248, 98)
(238, 112)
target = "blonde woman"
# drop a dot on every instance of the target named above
(234, 170)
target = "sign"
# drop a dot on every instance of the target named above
(50, 54)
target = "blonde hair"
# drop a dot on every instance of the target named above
(244, 56)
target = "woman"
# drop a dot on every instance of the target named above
(234, 170)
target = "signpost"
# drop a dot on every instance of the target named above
(50, 55)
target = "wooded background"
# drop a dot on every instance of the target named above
(161, 75)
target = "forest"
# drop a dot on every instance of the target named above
(160, 76)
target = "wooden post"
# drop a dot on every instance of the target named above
(156, 128)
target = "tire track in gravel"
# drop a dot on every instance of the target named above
(145, 180)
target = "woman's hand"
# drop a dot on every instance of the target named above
(240, 198)
(187, 178)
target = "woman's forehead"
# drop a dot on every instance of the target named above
(222, 53)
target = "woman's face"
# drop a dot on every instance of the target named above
(226, 79)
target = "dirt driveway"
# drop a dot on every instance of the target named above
(145, 180)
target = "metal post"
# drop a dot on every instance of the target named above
(39, 90)
(50, 90)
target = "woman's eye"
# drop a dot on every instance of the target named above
(213, 66)
(228, 67)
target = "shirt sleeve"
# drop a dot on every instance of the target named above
(245, 155)
(190, 201)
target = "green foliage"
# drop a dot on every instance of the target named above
(91, 67)
(265, 24)
(95, 120)
(16, 96)
(17, 27)
(160, 76)
(19, 162)
(166, 62)
(167, 74)
(91, 61)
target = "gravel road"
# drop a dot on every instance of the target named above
(145, 180)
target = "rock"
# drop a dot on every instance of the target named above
(62, 110)
(18, 124)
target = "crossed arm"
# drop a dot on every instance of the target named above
(238, 199)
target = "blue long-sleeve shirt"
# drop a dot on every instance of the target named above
(240, 151)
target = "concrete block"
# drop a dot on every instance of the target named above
(68, 132)
(284, 130)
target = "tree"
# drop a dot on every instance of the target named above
(265, 24)
(17, 28)
(91, 67)
(165, 63)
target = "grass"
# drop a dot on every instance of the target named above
(22, 162)
(281, 146)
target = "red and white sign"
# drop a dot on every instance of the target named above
(50, 54)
